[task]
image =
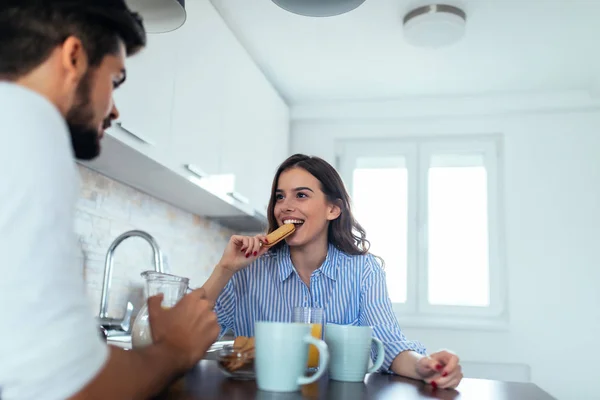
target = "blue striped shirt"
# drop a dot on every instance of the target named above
(351, 289)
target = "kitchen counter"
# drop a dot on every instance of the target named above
(206, 381)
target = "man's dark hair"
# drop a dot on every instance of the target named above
(31, 29)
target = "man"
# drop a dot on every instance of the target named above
(59, 64)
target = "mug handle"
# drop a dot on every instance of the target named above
(380, 356)
(323, 360)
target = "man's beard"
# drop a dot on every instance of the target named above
(84, 136)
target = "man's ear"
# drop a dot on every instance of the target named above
(334, 210)
(74, 60)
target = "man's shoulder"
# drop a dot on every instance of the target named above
(35, 136)
(27, 115)
(15, 96)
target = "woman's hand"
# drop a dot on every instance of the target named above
(441, 369)
(241, 251)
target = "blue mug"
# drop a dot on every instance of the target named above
(281, 353)
(350, 350)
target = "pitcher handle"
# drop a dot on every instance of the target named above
(380, 356)
(323, 360)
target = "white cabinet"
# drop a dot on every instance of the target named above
(256, 129)
(145, 101)
(255, 126)
(227, 118)
(274, 138)
(197, 107)
(194, 96)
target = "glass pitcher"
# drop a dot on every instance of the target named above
(172, 287)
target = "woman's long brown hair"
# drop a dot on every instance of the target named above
(344, 232)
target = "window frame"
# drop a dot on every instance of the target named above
(417, 151)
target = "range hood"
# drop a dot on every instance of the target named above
(173, 184)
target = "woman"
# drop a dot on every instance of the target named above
(324, 263)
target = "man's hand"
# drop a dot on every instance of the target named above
(187, 330)
(181, 335)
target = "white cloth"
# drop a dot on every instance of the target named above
(49, 343)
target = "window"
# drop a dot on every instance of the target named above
(378, 220)
(431, 210)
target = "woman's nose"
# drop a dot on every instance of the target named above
(288, 205)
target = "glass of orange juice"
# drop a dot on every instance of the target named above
(316, 318)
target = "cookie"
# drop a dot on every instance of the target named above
(279, 234)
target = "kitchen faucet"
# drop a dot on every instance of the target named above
(115, 326)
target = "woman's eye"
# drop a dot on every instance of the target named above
(301, 195)
(278, 197)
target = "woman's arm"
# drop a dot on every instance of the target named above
(217, 282)
(220, 286)
(405, 364)
(401, 354)
(441, 369)
(403, 357)
(239, 253)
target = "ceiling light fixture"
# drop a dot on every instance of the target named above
(435, 25)
(160, 16)
(318, 8)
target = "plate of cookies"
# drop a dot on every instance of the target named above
(237, 360)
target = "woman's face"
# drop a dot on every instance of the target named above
(299, 200)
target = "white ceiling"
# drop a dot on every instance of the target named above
(510, 46)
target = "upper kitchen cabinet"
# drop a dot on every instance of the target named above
(199, 81)
(228, 120)
(255, 126)
(195, 97)
(145, 100)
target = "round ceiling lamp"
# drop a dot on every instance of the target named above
(160, 16)
(435, 25)
(318, 8)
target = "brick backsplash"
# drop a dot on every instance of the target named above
(106, 208)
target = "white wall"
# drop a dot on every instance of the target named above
(552, 209)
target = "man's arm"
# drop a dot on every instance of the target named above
(136, 374)
(181, 334)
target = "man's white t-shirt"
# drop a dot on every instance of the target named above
(49, 342)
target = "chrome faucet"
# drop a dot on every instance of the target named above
(116, 326)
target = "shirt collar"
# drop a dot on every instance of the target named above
(285, 263)
(328, 268)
